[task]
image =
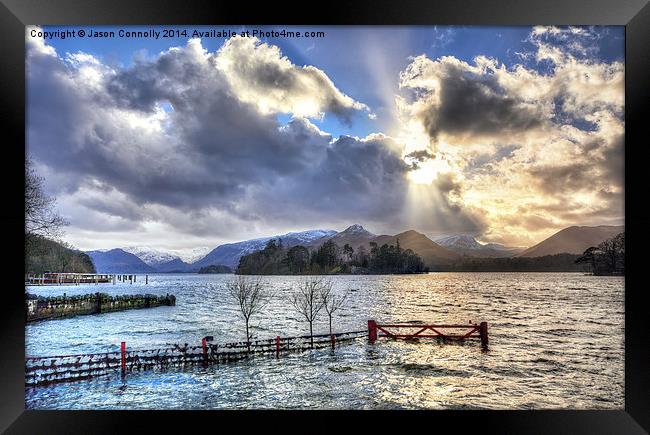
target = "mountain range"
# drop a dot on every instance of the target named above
(230, 253)
(468, 246)
(572, 240)
(118, 261)
(442, 251)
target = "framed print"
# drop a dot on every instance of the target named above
(376, 207)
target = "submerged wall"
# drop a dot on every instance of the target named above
(42, 308)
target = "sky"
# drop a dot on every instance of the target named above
(508, 134)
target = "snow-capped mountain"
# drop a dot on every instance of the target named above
(460, 241)
(354, 235)
(467, 245)
(118, 261)
(153, 257)
(230, 253)
(192, 255)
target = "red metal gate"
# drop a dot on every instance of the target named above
(428, 331)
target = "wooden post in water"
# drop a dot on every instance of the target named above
(146, 279)
(134, 277)
(333, 341)
(483, 331)
(113, 279)
(277, 346)
(98, 303)
(123, 351)
(205, 351)
(372, 331)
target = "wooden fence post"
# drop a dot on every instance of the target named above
(98, 303)
(483, 330)
(123, 351)
(372, 331)
(277, 346)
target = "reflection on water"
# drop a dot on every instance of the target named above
(556, 341)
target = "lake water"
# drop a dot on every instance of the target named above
(556, 341)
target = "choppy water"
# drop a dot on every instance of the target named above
(556, 341)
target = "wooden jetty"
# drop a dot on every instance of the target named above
(57, 278)
(66, 278)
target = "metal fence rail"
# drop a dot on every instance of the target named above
(66, 368)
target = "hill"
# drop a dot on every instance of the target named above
(45, 255)
(153, 257)
(354, 235)
(118, 261)
(329, 258)
(230, 253)
(469, 246)
(572, 240)
(431, 253)
(176, 265)
(215, 269)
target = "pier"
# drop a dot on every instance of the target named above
(55, 278)
(61, 278)
(57, 307)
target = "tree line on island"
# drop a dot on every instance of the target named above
(329, 258)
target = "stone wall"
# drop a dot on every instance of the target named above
(43, 308)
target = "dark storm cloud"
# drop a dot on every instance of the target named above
(467, 103)
(214, 145)
(170, 140)
(356, 178)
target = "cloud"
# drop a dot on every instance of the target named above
(259, 74)
(187, 144)
(524, 137)
(175, 140)
(459, 99)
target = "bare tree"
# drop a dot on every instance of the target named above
(40, 216)
(308, 302)
(251, 297)
(331, 300)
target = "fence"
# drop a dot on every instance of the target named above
(429, 331)
(64, 368)
(54, 369)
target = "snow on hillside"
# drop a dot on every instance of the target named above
(193, 254)
(152, 257)
(230, 253)
(460, 241)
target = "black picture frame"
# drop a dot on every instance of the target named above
(634, 14)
